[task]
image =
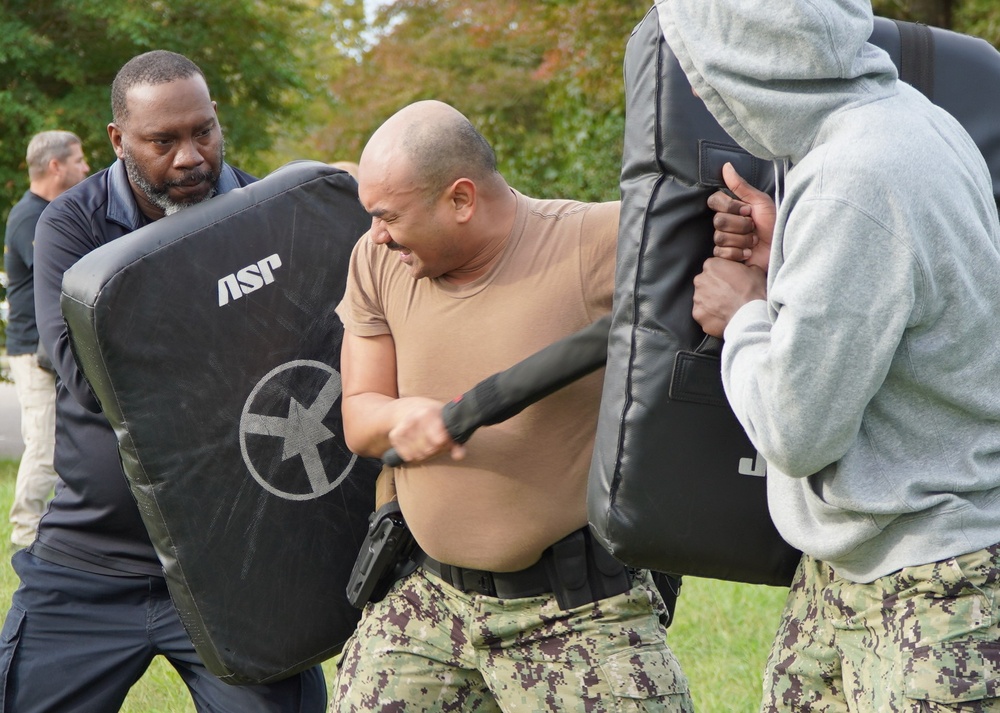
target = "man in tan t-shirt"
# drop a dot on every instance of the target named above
(514, 605)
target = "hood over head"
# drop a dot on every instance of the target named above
(770, 71)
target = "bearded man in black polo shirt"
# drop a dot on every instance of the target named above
(93, 609)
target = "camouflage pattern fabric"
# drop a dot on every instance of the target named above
(430, 647)
(925, 639)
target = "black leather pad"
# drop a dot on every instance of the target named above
(210, 339)
(675, 484)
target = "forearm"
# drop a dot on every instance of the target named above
(413, 426)
(368, 418)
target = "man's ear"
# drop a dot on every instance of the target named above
(463, 199)
(115, 134)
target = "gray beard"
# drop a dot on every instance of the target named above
(158, 195)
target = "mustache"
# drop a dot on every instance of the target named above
(393, 245)
(191, 178)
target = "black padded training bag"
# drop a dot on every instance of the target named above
(675, 485)
(210, 340)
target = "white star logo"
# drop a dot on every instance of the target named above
(302, 431)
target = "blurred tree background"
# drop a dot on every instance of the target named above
(542, 79)
(313, 78)
(58, 58)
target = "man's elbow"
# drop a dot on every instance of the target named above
(359, 435)
(800, 457)
(355, 444)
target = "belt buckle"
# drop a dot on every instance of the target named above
(478, 581)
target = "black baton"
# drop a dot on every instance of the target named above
(504, 394)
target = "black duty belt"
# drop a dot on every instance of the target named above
(576, 569)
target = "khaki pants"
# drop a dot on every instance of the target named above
(925, 639)
(36, 392)
(427, 647)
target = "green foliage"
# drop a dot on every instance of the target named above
(313, 78)
(58, 58)
(541, 80)
(930, 12)
(980, 18)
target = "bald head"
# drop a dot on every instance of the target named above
(434, 145)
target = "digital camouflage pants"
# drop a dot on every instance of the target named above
(925, 639)
(430, 647)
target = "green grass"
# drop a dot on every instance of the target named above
(721, 635)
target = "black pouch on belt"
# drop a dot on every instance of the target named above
(582, 572)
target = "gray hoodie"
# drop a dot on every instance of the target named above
(870, 378)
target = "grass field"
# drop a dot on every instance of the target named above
(721, 636)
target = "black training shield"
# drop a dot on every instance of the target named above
(210, 339)
(675, 484)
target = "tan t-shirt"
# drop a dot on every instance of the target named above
(522, 485)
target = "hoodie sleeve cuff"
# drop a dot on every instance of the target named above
(748, 317)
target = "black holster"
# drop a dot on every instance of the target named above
(384, 557)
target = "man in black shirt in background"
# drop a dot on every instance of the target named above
(55, 163)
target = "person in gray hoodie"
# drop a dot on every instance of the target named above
(863, 364)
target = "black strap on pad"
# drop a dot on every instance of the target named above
(916, 65)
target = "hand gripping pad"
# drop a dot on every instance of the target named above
(210, 340)
(675, 485)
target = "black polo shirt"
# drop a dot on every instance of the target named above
(18, 249)
(93, 522)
